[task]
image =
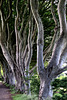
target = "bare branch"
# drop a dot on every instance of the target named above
(53, 13)
(29, 44)
(17, 8)
(8, 36)
(48, 50)
(17, 35)
(61, 43)
(9, 5)
(63, 57)
(34, 34)
(24, 31)
(62, 15)
(23, 19)
(22, 45)
(59, 71)
(1, 3)
(40, 39)
(17, 17)
(33, 69)
(25, 52)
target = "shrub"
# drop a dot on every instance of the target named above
(60, 89)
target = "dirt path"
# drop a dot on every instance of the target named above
(4, 92)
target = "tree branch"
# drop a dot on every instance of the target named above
(63, 57)
(59, 71)
(25, 52)
(9, 5)
(62, 15)
(29, 44)
(34, 34)
(23, 19)
(1, 3)
(48, 50)
(53, 13)
(17, 35)
(40, 40)
(61, 43)
(55, 38)
(30, 71)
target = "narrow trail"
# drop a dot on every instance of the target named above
(4, 92)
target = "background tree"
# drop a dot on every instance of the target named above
(23, 43)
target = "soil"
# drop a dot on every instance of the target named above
(4, 92)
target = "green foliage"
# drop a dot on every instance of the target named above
(12, 88)
(19, 96)
(60, 89)
(25, 97)
(35, 84)
(60, 83)
(59, 96)
(1, 79)
(1, 76)
(48, 98)
(45, 64)
(1, 71)
(7, 85)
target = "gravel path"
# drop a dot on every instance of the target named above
(4, 92)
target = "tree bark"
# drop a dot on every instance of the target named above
(46, 75)
(3, 44)
(44, 91)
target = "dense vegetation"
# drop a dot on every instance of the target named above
(29, 30)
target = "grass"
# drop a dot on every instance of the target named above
(25, 97)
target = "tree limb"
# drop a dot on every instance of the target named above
(30, 71)
(62, 15)
(53, 13)
(59, 71)
(1, 3)
(9, 5)
(40, 40)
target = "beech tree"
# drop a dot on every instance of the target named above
(59, 53)
(18, 63)
(3, 23)
(19, 23)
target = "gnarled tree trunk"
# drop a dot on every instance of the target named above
(59, 51)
